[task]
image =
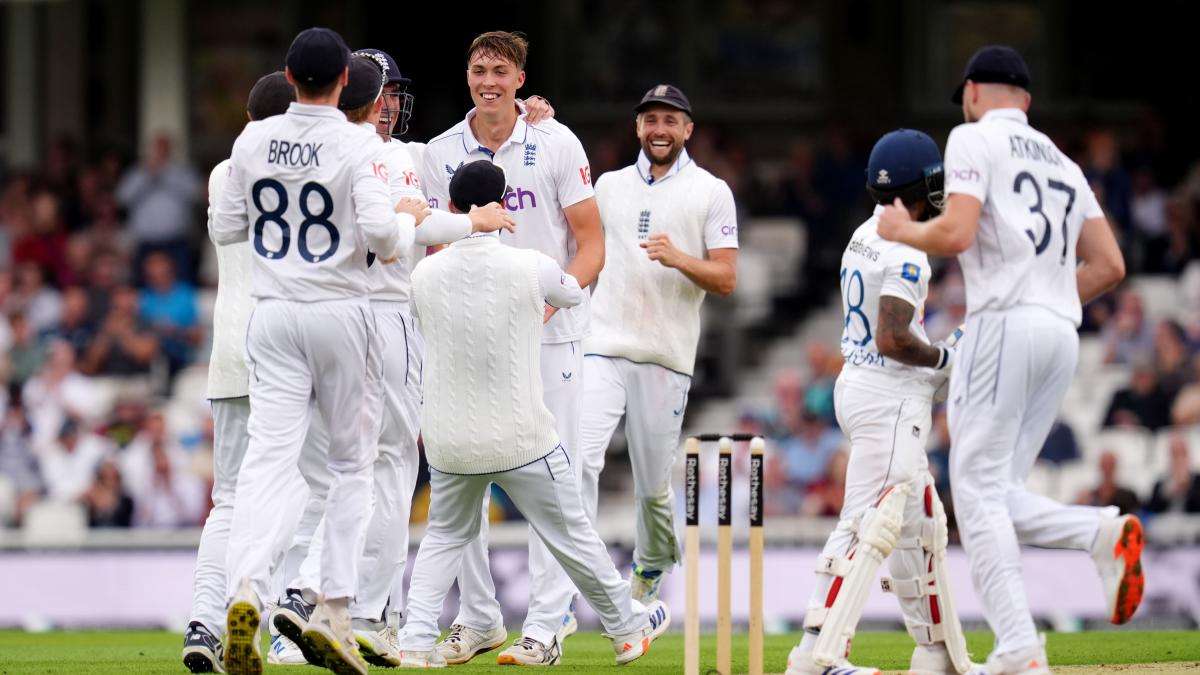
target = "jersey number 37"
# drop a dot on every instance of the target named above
(311, 220)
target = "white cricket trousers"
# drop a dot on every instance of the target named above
(397, 409)
(325, 351)
(887, 433)
(1012, 370)
(652, 399)
(547, 494)
(550, 590)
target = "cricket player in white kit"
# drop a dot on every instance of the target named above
(1033, 244)
(302, 187)
(883, 399)
(229, 395)
(395, 408)
(670, 238)
(485, 421)
(552, 202)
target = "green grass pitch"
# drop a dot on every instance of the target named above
(133, 653)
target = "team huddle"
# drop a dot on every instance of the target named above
(479, 292)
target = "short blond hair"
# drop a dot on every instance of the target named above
(512, 47)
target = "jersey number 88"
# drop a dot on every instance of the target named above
(285, 230)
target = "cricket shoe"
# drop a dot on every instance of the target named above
(1117, 553)
(530, 652)
(632, 646)
(284, 652)
(464, 644)
(291, 617)
(1030, 661)
(644, 584)
(201, 649)
(242, 652)
(329, 635)
(801, 662)
(570, 625)
(934, 660)
(429, 659)
(376, 642)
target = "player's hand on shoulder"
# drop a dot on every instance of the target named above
(491, 217)
(537, 109)
(659, 247)
(417, 208)
(893, 221)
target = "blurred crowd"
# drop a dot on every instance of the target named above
(106, 277)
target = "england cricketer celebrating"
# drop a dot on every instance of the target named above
(1033, 245)
(552, 202)
(229, 395)
(883, 398)
(670, 238)
(485, 421)
(302, 187)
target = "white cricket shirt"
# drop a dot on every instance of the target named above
(303, 187)
(1035, 200)
(547, 171)
(228, 376)
(641, 310)
(872, 267)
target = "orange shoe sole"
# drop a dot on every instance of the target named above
(1133, 583)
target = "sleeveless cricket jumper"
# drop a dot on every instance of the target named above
(1017, 355)
(303, 188)
(645, 330)
(547, 171)
(484, 421)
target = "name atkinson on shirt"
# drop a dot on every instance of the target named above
(1026, 148)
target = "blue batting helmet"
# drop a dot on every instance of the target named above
(397, 106)
(905, 163)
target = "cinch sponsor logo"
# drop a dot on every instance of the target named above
(728, 229)
(519, 199)
(965, 175)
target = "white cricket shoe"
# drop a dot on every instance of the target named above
(632, 646)
(429, 659)
(1031, 661)
(284, 652)
(644, 585)
(377, 642)
(464, 644)
(243, 656)
(328, 635)
(801, 663)
(530, 652)
(1117, 553)
(934, 660)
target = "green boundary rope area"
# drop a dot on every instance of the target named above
(134, 652)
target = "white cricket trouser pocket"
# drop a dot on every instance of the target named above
(1006, 388)
(296, 351)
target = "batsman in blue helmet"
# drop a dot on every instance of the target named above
(883, 399)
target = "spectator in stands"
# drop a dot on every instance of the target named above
(74, 328)
(126, 422)
(17, 460)
(1127, 335)
(789, 401)
(41, 304)
(1060, 445)
(1183, 245)
(172, 497)
(826, 497)
(106, 233)
(809, 449)
(780, 499)
(1102, 166)
(823, 367)
(1108, 492)
(1186, 409)
(168, 306)
(159, 195)
(43, 240)
(26, 354)
(107, 503)
(1172, 359)
(1149, 214)
(1143, 403)
(68, 464)
(1179, 492)
(57, 393)
(106, 276)
(123, 345)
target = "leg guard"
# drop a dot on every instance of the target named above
(924, 589)
(854, 574)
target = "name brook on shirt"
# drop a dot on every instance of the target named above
(287, 153)
(856, 246)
